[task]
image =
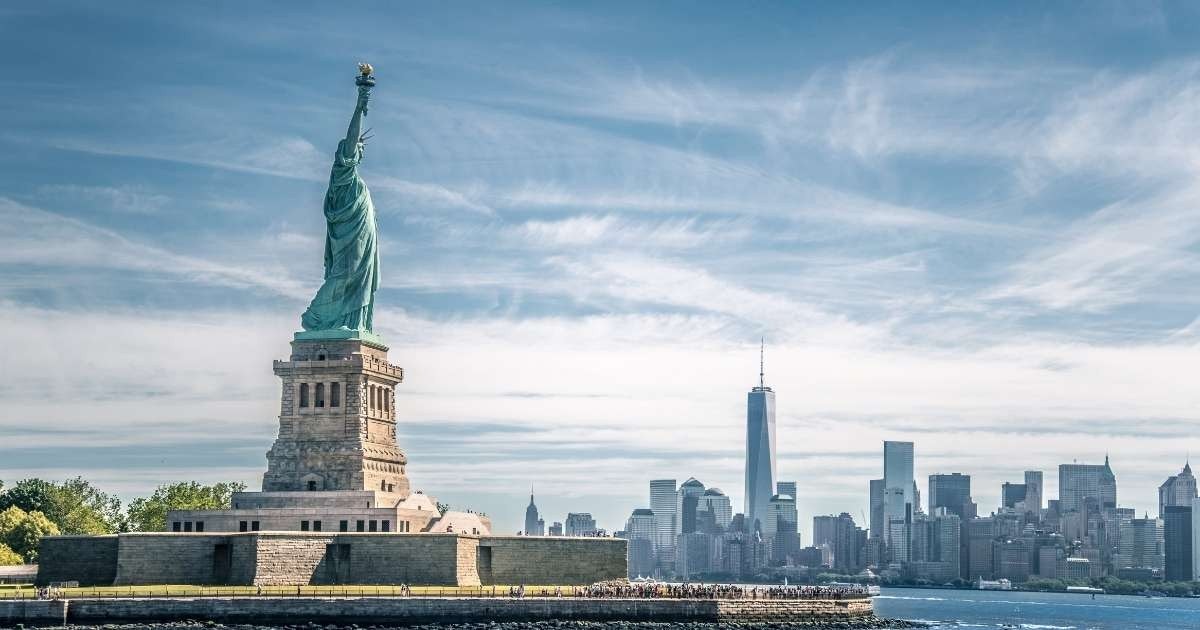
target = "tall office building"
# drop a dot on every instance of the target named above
(760, 452)
(952, 493)
(1141, 544)
(1177, 489)
(824, 530)
(717, 504)
(580, 524)
(845, 540)
(640, 532)
(899, 488)
(1196, 540)
(664, 503)
(1012, 495)
(1077, 483)
(534, 526)
(876, 525)
(556, 529)
(687, 505)
(781, 528)
(786, 487)
(1033, 491)
(1177, 542)
(979, 534)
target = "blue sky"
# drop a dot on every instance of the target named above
(973, 227)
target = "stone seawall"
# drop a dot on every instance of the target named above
(376, 610)
(301, 558)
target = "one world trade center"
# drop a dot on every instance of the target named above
(760, 452)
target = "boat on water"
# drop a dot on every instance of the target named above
(1085, 590)
(1003, 584)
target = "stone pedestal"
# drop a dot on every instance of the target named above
(337, 421)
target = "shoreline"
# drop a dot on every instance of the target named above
(412, 611)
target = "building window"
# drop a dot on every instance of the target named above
(187, 526)
(175, 526)
(373, 525)
(312, 485)
(343, 526)
(386, 402)
(199, 526)
(360, 526)
(386, 526)
(383, 486)
(335, 394)
(303, 394)
(303, 526)
(253, 526)
(320, 394)
(391, 488)
(320, 357)
(243, 526)
(316, 526)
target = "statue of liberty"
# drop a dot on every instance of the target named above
(346, 300)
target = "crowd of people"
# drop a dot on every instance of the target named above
(718, 591)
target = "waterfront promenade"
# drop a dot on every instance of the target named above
(403, 606)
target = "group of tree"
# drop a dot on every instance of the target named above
(33, 508)
(1116, 586)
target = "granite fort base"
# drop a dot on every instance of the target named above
(408, 611)
(298, 558)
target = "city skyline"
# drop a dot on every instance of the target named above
(954, 228)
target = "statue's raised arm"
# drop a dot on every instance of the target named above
(345, 303)
(354, 135)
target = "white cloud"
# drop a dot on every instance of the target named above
(39, 238)
(126, 198)
(612, 231)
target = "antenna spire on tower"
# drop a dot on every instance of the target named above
(762, 344)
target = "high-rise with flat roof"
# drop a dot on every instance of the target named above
(952, 492)
(640, 532)
(760, 453)
(664, 503)
(580, 524)
(1141, 544)
(1196, 539)
(898, 488)
(1077, 483)
(876, 524)
(1033, 491)
(1177, 542)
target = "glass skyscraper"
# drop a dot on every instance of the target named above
(899, 489)
(664, 503)
(952, 492)
(760, 454)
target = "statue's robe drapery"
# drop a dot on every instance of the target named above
(346, 300)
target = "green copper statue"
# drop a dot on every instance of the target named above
(346, 300)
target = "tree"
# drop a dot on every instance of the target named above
(22, 531)
(74, 505)
(8, 556)
(150, 514)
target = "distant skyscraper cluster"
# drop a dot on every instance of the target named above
(577, 524)
(690, 532)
